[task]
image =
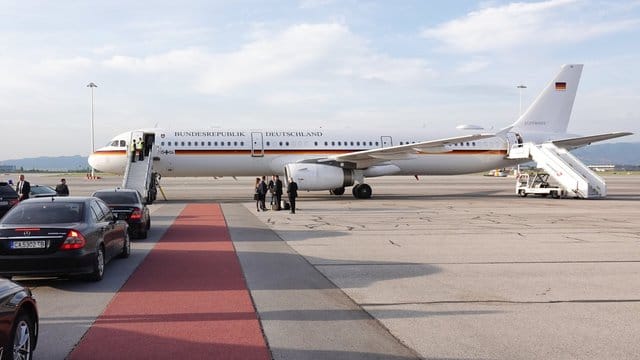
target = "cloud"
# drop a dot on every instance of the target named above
(312, 4)
(175, 60)
(525, 24)
(297, 55)
(474, 65)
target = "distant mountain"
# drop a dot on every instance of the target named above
(603, 154)
(598, 154)
(49, 163)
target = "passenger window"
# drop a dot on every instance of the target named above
(108, 215)
(95, 208)
(287, 143)
(209, 143)
(182, 143)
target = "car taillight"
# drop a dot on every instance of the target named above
(74, 240)
(136, 214)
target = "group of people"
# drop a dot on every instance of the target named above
(23, 188)
(138, 150)
(275, 187)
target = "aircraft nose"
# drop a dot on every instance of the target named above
(93, 160)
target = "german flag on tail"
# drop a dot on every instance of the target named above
(561, 86)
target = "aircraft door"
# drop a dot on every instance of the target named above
(257, 148)
(386, 141)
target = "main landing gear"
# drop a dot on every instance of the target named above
(360, 191)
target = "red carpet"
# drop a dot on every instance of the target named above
(188, 299)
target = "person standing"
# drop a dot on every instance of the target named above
(292, 192)
(263, 193)
(134, 147)
(272, 189)
(23, 188)
(256, 194)
(140, 147)
(62, 189)
(278, 192)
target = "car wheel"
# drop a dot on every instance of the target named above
(22, 337)
(126, 248)
(98, 265)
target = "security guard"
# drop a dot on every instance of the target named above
(140, 147)
(133, 151)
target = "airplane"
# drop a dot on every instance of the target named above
(324, 159)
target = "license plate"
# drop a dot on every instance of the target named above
(4, 203)
(40, 244)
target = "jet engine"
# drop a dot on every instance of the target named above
(319, 176)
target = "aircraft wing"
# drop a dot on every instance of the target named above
(576, 142)
(401, 152)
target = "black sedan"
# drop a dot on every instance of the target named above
(42, 191)
(8, 197)
(18, 321)
(61, 236)
(127, 204)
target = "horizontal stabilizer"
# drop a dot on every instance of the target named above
(576, 142)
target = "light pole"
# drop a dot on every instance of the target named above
(520, 87)
(92, 86)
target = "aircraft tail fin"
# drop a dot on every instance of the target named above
(551, 111)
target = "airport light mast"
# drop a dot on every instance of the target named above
(92, 86)
(520, 87)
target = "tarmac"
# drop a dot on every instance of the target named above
(447, 267)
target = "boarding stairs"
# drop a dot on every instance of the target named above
(572, 175)
(139, 176)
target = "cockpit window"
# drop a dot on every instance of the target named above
(123, 143)
(113, 143)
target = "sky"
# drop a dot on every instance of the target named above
(428, 65)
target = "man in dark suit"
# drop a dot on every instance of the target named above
(292, 191)
(23, 188)
(278, 192)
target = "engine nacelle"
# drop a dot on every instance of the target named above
(319, 176)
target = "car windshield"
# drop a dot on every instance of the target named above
(117, 197)
(44, 213)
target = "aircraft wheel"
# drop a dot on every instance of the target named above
(362, 191)
(337, 191)
(354, 190)
(522, 193)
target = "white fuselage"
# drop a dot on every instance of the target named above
(264, 152)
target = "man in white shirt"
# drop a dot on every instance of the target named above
(23, 188)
